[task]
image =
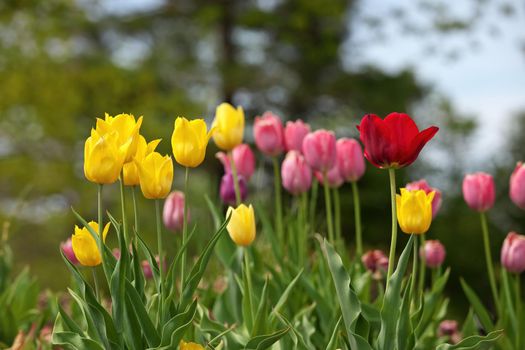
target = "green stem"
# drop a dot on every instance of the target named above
(135, 210)
(328, 204)
(95, 281)
(488, 259)
(393, 242)
(238, 198)
(422, 267)
(278, 201)
(101, 229)
(304, 228)
(313, 204)
(248, 281)
(123, 207)
(357, 216)
(184, 229)
(161, 261)
(337, 217)
(414, 271)
(517, 292)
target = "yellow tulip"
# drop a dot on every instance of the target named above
(156, 175)
(131, 173)
(84, 245)
(189, 141)
(414, 210)
(103, 157)
(229, 126)
(127, 129)
(190, 346)
(241, 226)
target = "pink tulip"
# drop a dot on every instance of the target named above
(333, 176)
(478, 191)
(146, 267)
(294, 134)
(269, 134)
(172, 213)
(375, 261)
(513, 253)
(116, 253)
(244, 161)
(319, 149)
(227, 189)
(517, 185)
(350, 159)
(67, 249)
(449, 328)
(423, 185)
(296, 173)
(434, 253)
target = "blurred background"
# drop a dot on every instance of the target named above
(65, 62)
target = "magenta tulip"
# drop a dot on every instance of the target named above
(173, 211)
(350, 159)
(268, 132)
(375, 261)
(517, 185)
(434, 253)
(296, 173)
(333, 177)
(67, 249)
(513, 253)
(227, 189)
(478, 191)
(294, 134)
(423, 185)
(146, 267)
(319, 149)
(244, 160)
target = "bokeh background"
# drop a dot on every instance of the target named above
(65, 62)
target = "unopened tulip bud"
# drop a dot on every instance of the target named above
(296, 173)
(116, 253)
(67, 249)
(449, 328)
(350, 159)
(268, 133)
(333, 177)
(146, 267)
(375, 261)
(414, 211)
(244, 161)
(423, 185)
(478, 191)
(227, 189)
(319, 149)
(241, 226)
(173, 212)
(434, 253)
(513, 253)
(294, 134)
(517, 185)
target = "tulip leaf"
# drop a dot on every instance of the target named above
(431, 302)
(475, 342)
(138, 273)
(146, 325)
(151, 260)
(69, 323)
(259, 324)
(478, 307)
(332, 343)
(261, 342)
(74, 341)
(173, 330)
(118, 278)
(391, 301)
(284, 297)
(405, 336)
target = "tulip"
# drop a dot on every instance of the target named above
(116, 253)
(156, 175)
(189, 141)
(244, 161)
(127, 129)
(517, 185)
(513, 253)
(294, 134)
(414, 211)
(423, 185)
(229, 126)
(350, 160)
(433, 252)
(146, 267)
(333, 177)
(173, 213)
(190, 346)
(103, 157)
(84, 245)
(393, 142)
(319, 149)
(130, 171)
(296, 173)
(268, 133)
(227, 189)
(447, 327)
(67, 249)
(375, 260)
(241, 226)
(478, 191)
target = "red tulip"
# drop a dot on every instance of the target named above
(394, 142)
(244, 161)
(294, 134)
(296, 173)
(319, 149)
(478, 191)
(423, 185)
(513, 253)
(350, 159)
(517, 185)
(269, 134)
(434, 253)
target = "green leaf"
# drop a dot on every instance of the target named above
(431, 304)
(474, 342)
(261, 342)
(259, 325)
(147, 327)
(404, 325)
(74, 341)
(332, 344)
(173, 330)
(118, 278)
(284, 297)
(479, 309)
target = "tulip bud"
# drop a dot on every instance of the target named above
(478, 191)
(376, 262)
(227, 189)
(319, 149)
(229, 126)
(333, 177)
(130, 171)
(189, 141)
(190, 346)
(116, 253)
(67, 249)
(103, 149)
(517, 185)
(294, 134)
(173, 211)
(350, 160)
(146, 267)
(449, 328)
(434, 253)
(269, 134)
(241, 226)
(244, 161)
(423, 185)
(296, 173)
(414, 211)
(127, 130)
(84, 245)
(513, 253)
(156, 175)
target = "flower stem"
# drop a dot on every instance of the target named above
(393, 242)
(95, 281)
(304, 232)
(313, 204)
(422, 267)
(123, 207)
(337, 217)
(185, 229)
(238, 198)
(488, 258)
(135, 210)
(414, 271)
(517, 292)
(100, 226)
(159, 248)
(248, 281)
(278, 201)
(357, 216)
(328, 205)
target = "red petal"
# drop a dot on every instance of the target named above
(402, 131)
(375, 138)
(417, 145)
